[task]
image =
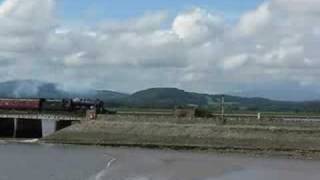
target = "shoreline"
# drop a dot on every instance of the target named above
(252, 153)
(292, 154)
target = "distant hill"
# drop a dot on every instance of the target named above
(106, 95)
(154, 98)
(171, 97)
(164, 97)
(289, 92)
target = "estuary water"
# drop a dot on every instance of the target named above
(69, 162)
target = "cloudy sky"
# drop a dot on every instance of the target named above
(252, 47)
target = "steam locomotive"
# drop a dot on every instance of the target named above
(42, 104)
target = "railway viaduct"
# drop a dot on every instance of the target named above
(29, 125)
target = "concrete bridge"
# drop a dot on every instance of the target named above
(29, 125)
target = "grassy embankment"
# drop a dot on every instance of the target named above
(245, 135)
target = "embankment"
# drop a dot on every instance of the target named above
(271, 136)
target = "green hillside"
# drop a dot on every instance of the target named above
(171, 97)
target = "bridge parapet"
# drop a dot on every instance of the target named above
(53, 117)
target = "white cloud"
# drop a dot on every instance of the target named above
(298, 6)
(255, 21)
(196, 50)
(7, 7)
(24, 26)
(197, 24)
(76, 59)
(234, 62)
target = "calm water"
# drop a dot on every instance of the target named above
(58, 162)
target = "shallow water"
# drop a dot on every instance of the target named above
(65, 162)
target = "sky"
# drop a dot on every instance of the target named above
(99, 10)
(265, 48)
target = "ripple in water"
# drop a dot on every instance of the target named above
(103, 172)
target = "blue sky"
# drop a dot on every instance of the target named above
(96, 10)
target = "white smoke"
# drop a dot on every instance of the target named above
(26, 89)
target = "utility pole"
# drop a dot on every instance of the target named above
(222, 109)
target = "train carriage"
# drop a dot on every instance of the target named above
(20, 104)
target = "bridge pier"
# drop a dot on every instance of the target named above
(7, 127)
(31, 125)
(62, 124)
(25, 128)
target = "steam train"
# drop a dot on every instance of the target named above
(42, 104)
